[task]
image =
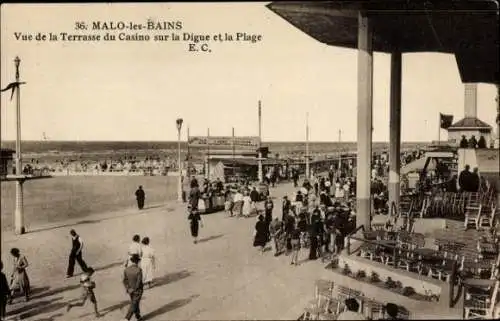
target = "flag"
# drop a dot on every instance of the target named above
(445, 120)
(12, 86)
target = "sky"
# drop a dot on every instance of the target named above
(130, 90)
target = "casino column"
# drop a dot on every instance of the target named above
(365, 114)
(395, 132)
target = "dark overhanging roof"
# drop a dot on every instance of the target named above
(470, 123)
(468, 29)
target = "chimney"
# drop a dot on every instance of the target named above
(470, 101)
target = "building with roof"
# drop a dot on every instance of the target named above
(470, 125)
(439, 26)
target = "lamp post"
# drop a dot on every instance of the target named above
(19, 215)
(179, 187)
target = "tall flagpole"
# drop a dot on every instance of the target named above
(233, 147)
(188, 161)
(179, 122)
(307, 146)
(260, 174)
(208, 154)
(439, 129)
(19, 215)
(341, 150)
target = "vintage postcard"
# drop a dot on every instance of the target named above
(279, 160)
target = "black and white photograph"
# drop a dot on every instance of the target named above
(286, 160)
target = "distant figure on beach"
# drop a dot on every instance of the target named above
(140, 196)
(75, 254)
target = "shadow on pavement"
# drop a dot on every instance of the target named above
(209, 238)
(153, 206)
(35, 290)
(82, 222)
(110, 309)
(169, 307)
(171, 277)
(43, 309)
(56, 291)
(109, 266)
(51, 318)
(30, 306)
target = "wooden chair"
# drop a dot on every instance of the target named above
(378, 226)
(472, 215)
(322, 297)
(424, 210)
(459, 204)
(324, 288)
(346, 293)
(487, 219)
(373, 309)
(481, 307)
(371, 252)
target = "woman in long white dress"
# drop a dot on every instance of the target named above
(148, 263)
(339, 192)
(247, 204)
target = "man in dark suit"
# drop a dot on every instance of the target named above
(132, 280)
(140, 196)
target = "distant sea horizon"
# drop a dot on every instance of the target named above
(43, 146)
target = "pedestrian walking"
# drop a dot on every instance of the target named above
(194, 195)
(134, 248)
(238, 203)
(132, 280)
(140, 196)
(19, 277)
(261, 233)
(195, 223)
(268, 208)
(277, 233)
(295, 240)
(87, 286)
(228, 201)
(4, 292)
(247, 205)
(148, 263)
(75, 254)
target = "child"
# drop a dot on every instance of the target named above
(88, 287)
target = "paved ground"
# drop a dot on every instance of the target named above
(222, 277)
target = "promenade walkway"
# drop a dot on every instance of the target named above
(222, 277)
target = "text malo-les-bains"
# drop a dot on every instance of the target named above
(149, 25)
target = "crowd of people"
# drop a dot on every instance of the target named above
(154, 165)
(473, 142)
(317, 218)
(139, 267)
